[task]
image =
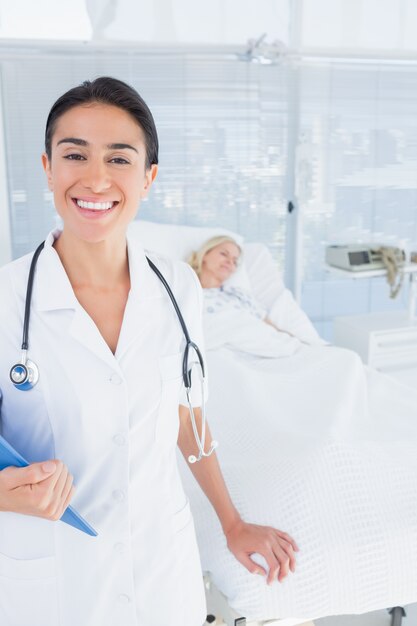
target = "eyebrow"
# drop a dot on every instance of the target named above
(83, 142)
(230, 253)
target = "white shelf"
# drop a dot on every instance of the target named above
(410, 269)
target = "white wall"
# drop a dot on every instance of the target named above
(5, 242)
(159, 21)
(184, 21)
(389, 25)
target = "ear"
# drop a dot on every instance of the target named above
(47, 167)
(150, 176)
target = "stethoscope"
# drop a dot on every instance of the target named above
(25, 374)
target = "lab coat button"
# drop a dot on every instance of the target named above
(119, 440)
(124, 599)
(119, 547)
(115, 379)
(118, 495)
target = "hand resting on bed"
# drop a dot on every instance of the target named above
(214, 263)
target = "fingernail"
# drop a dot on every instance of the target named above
(49, 467)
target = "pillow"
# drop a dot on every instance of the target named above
(269, 290)
(264, 274)
(178, 242)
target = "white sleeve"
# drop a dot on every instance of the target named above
(194, 322)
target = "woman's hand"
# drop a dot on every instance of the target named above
(40, 489)
(275, 546)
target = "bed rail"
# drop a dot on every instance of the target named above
(218, 607)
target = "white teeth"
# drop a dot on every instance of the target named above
(95, 206)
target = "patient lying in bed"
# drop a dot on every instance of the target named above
(310, 440)
(232, 311)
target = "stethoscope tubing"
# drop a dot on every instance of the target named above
(28, 301)
(186, 375)
(31, 372)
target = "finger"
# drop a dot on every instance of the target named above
(57, 476)
(56, 499)
(250, 565)
(68, 499)
(289, 539)
(274, 566)
(66, 496)
(284, 562)
(61, 483)
(67, 488)
(31, 475)
(288, 548)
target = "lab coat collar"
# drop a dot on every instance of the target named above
(145, 288)
(144, 284)
(53, 290)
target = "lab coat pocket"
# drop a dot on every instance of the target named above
(170, 368)
(182, 518)
(28, 592)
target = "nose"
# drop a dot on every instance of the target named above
(96, 176)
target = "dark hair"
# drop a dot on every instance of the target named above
(111, 91)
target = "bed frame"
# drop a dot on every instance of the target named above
(218, 607)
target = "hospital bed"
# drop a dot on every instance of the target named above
(259, 274)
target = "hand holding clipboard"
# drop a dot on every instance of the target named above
(10, 457)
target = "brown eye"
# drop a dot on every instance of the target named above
(74, 157)
(119, 161)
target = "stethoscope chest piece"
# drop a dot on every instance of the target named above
(24, 376)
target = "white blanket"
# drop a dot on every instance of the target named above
(314, 444)
(250, 335)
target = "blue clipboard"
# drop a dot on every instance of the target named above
(10, 456)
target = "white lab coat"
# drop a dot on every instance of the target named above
(113, 419)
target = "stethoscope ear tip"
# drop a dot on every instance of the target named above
(192, 459)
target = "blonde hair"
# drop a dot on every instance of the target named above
(196, 258)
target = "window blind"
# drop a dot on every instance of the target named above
(356, 177)
(221, 125)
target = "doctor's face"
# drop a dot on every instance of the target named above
(221, 261)
(97, 170)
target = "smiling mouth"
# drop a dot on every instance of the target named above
(95, 206)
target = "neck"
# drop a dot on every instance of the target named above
(209, 281)
(93, 264)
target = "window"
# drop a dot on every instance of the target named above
(221, 124)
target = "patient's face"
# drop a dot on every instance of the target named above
(220, 262)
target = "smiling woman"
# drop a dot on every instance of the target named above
(102, 170)
(110, 407)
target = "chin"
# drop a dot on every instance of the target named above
(96, 233)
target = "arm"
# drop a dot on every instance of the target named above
(243, 539)
(268, 321)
